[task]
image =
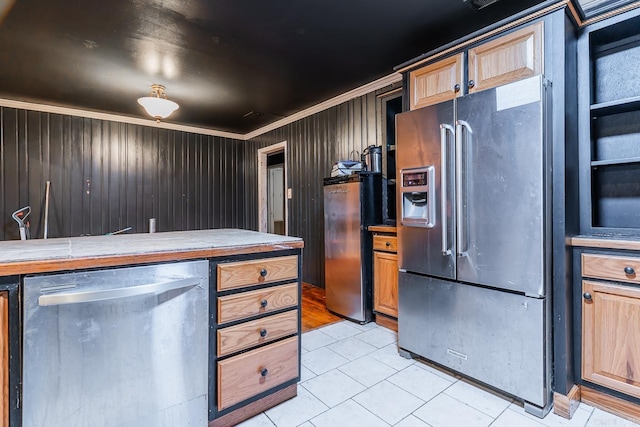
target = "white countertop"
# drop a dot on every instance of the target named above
(13, 251)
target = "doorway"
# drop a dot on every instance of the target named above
(272, 189)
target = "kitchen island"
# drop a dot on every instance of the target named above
(253, 300)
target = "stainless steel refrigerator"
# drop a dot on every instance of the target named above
(351, 204)
(474, 201)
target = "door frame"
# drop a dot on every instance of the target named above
(263, 189)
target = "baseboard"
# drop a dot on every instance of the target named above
(566, 406)
(615, 405)
(254, 408)
(387, 322)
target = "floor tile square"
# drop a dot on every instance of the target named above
(601, 418)
(477, 398)
(378, 337)
(445, 411)
(313, 340)
(348, 414)
(322, 360)
(295, 411)
(365, 327)
(389, 402)
(419, 382)
(511, 418)
(340, 330)
(367, 370)
(412, 421)
(351, 348)
(333, 387)
(389, 356)
(306, 374)
(260, 420)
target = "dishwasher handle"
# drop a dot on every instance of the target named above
(108, 294)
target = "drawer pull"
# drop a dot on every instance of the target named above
(388, 244)
(264, 303)
(264, 372)
(629, 271)
(263, 333)
(263, 272)
(587, 296)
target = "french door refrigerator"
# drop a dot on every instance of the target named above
(473, 238)
(351, 204)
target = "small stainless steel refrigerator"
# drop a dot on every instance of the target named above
(474, 237)
(351, 204)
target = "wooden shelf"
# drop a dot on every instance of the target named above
(630, 160)
(615, 107)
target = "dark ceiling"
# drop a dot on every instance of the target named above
(218, 59)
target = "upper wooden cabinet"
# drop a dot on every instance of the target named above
(505, 59)
(436, 82)
(512, 57)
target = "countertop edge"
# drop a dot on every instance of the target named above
(383, 228)
(604, 243)
(65, 264)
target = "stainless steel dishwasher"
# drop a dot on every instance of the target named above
(117, 347)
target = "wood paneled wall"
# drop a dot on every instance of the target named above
(313, 145)
(106, 176)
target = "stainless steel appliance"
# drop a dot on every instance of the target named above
(372, 159)
(117, 347)
(474, 238)
(351, 204)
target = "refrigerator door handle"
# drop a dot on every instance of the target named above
(461, 126)
(444, 128)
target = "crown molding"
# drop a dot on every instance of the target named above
(347, 96)
(362, 90)
(44, 108)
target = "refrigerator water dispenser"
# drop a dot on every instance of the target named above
(418, 197)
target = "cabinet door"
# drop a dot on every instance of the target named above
(4, 358)
(385, 283)
(611, 336)
(436, 82)
(509, 58)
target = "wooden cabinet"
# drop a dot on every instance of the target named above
(506, 59)
(436, 82)
(254, 372)
(611, 336)
(513, 56)
(256, 361)
(385, 274)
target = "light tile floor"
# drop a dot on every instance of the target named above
(352, 376)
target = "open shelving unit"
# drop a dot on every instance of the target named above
(611, 138)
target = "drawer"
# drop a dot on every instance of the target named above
(247, 304)
(625, 269)
(232, 275)
(249, 334)
(385, 243)
(248, 374)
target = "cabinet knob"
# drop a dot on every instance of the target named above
(587, 296)
(263, 333)
(388, 244)
(263, 272)
(456, 88)
(471, 83)
(264, 303)
(264, 372)
(629, 271)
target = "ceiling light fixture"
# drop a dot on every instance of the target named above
(157, 105)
